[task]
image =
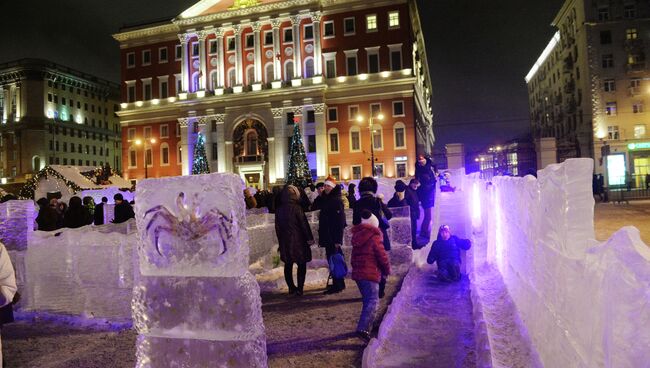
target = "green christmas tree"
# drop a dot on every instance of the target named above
(200, 164)
(299, 173)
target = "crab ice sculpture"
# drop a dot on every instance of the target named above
(189, 226)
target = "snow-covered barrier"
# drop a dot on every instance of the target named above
(584, 303)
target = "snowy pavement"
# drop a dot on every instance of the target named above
(429, 324)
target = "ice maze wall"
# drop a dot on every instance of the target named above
(584, 303)
(195, 304)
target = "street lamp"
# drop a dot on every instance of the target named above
(372, 138)
(139, 142)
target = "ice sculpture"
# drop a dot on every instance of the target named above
(16, 223)
(195, 304)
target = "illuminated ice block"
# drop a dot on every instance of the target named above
(16, 223)
(195, 304)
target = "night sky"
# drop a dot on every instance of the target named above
(479, 52)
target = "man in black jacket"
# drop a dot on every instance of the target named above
(123, 210)
(331, 225)
(99, 212)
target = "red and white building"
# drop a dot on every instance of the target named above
(241, 71)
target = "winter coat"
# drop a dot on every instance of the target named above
(427, 177)
(47, 219)
(412, 200)
(77, 217)
(251, 202)
(396, 202)
(332, 218)
(123, 212)
(7, 278)
(99, 214)
(293, 230)
(448, 250)
(318, 203)
(369, 259)
(351, 199)
(369, 202)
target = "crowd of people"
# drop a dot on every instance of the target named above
(54, 214)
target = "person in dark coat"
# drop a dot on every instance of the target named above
(48, 218)
(399, 197)
(331, 225)
(294, 237)
(411, 197)
(77, 215)
(352, 198)
(446, 252)
(318, 201)
(123, 210)
(251, 202)
(426, 173)
(99, 212)
(369, 201)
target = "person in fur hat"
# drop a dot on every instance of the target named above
(369, 266)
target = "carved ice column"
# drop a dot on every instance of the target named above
(280, 142)
(185, 146)
(258, 52)
(184, 38)
(277, 63)
(297, 59)
(203, 35)
(221, 77)
(318, 52)
(239, 64)
(321, 140)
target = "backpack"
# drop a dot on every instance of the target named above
(338, 268)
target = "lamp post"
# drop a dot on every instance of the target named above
(139, 142)
(372, 138)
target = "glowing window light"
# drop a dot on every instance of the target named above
(385, 74)
(547, 51)
(139, 103)
(341, 79)
(171, 99)
(200, 94)
(362, 77)
(276, 84)
(124, 105)
(155, 101)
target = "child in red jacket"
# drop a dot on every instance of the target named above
(369, 262)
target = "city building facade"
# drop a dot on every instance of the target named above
(51, 114)
(242, 73)
(588, 88)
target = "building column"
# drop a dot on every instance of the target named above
(257, 26)
(273, 177)
(203, 35)
(277, 55)
(221, 78)
(297, 60)
(184, 38)
(5, 112)
(18, 104)
(280, 142)
(185, 146)
(321, 140)
(318, 52)
(228, 155)
(239, 65)
(221, 143)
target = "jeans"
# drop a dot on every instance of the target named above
(449, 271)
(425, 230)
(369, 295)
(288, 275)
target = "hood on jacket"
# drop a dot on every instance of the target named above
(289, 194)
(363, 232)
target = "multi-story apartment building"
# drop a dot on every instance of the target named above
(589, 87)
(51, 114)
(241, 73)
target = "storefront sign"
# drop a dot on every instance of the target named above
(637, 146)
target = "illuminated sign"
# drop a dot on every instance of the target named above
(640, 145)
(616, 169)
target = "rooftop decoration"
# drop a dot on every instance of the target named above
(244, 4)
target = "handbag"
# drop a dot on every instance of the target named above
(338, 268)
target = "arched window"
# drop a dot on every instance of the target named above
(288, 70)
(251, 143)
(214, 80)
(399, 135)
(309, 67)
(355, 139)
(36, 163)
(195, 82)
(377, 137)
(250, 75)
(269, 73)
(179, 154)
(333, 140)
(164, 154)
(232, 77)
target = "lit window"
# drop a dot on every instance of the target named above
(609, 85)
(639, 131)
(393, 19)
(610, 108)
(612, 132)
(335, 171)
(371, 22)
(631, 34)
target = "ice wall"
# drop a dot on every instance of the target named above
(194, 303)
(16, 223)
(584, 304)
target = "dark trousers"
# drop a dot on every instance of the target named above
(414, 232)
(288, 275)
(449, 271)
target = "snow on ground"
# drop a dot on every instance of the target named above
(610, 217)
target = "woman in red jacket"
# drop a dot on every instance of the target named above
(369, 263)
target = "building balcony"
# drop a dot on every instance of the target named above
(633, 45)
(569, 88)
(249, 159)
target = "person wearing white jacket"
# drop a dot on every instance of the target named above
(7, 283)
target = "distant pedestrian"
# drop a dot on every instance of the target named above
(647, 181)
(426, 174)
(370, 265)
(352, 198)
(7, 284)
(251, 202)
(446, 252)
(294, 236)
(123, 210)
(76, 215)
(48, 218)
(99, 212)
(330, 227)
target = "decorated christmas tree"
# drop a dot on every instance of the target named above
(299, 173)
(200, 164)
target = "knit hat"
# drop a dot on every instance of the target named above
(330, 181)
(400, 186)
(369, 219)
